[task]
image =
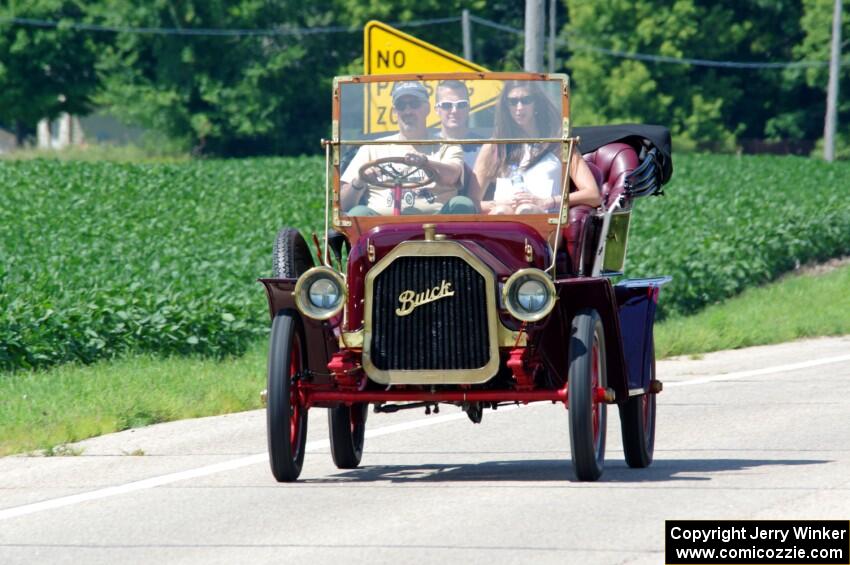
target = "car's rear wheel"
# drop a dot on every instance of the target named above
(637, 422)
(290, 255)
(286, 414)
(347, 426)
(587, 414)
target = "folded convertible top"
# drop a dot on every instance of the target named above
(639, 136)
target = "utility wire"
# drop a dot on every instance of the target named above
(297, 31)
(214, 32)
(660, 58)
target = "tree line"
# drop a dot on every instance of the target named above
(269, 93)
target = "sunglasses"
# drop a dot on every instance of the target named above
(412, 103)
(449, 106)
(526, 100)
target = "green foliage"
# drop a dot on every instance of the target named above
(704, 107)
(817, 23)
(799, 306)
(240, 96)
(44, 410)
(220, 94)
(44, 71)
(729, 223)
(98, 259)
(234, 96)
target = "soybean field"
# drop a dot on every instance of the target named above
(100, 259)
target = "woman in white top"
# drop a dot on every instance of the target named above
(527, 176)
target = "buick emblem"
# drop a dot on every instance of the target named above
(410, 300)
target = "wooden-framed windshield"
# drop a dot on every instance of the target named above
(517, 122)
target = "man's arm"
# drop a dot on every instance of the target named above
(482, 163)
(350, 184)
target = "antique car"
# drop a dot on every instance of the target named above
(408, 300)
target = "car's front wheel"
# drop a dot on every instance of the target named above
(286, 415)
(587, 413)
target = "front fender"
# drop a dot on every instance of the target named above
(597, 293)
(321, 341)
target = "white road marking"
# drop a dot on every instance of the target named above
(324, 444)
(214, 468)
(759, 372)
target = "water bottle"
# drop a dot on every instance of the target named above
(517, 180)
(518, 183)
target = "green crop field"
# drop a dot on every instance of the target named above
(728, 223)
(102, 259)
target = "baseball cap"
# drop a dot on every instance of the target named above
(410, 88)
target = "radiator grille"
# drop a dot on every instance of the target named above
(449, 333)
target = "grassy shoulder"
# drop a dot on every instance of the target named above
(40, 410)
(811, 304)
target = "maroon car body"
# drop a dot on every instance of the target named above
(414, 311)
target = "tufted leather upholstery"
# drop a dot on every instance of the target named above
(615, 161)
(610, 164)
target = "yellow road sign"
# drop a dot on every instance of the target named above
(387, 50)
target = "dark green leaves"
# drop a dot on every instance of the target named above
(99, 259)
(727, 223)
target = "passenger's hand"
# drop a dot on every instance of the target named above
(416, 159)
(528, 199)
(360, 182)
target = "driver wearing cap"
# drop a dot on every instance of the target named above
(411, 107)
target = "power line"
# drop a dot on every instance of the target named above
(661, 58)
(300, 31)
(695, 62)
(212, 32)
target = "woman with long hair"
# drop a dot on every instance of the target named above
(527, 176)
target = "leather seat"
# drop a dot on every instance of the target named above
(610, 165)
(615, 161)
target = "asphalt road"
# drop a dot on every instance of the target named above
(756, 433)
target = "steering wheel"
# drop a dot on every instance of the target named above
(397, 172)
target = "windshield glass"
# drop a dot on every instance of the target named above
(425, 147)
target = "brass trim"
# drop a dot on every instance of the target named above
(547, 282)
(501, 141)
(507, 338)
(430, 230)
(328, 202)
(370, 250)
(441, 376)
(411, 300)
(351, 340)
(529, 252)
(338, 221)
(617, 243)
(564, 210)
(302, 302)
(446, 75)
(511, 338)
